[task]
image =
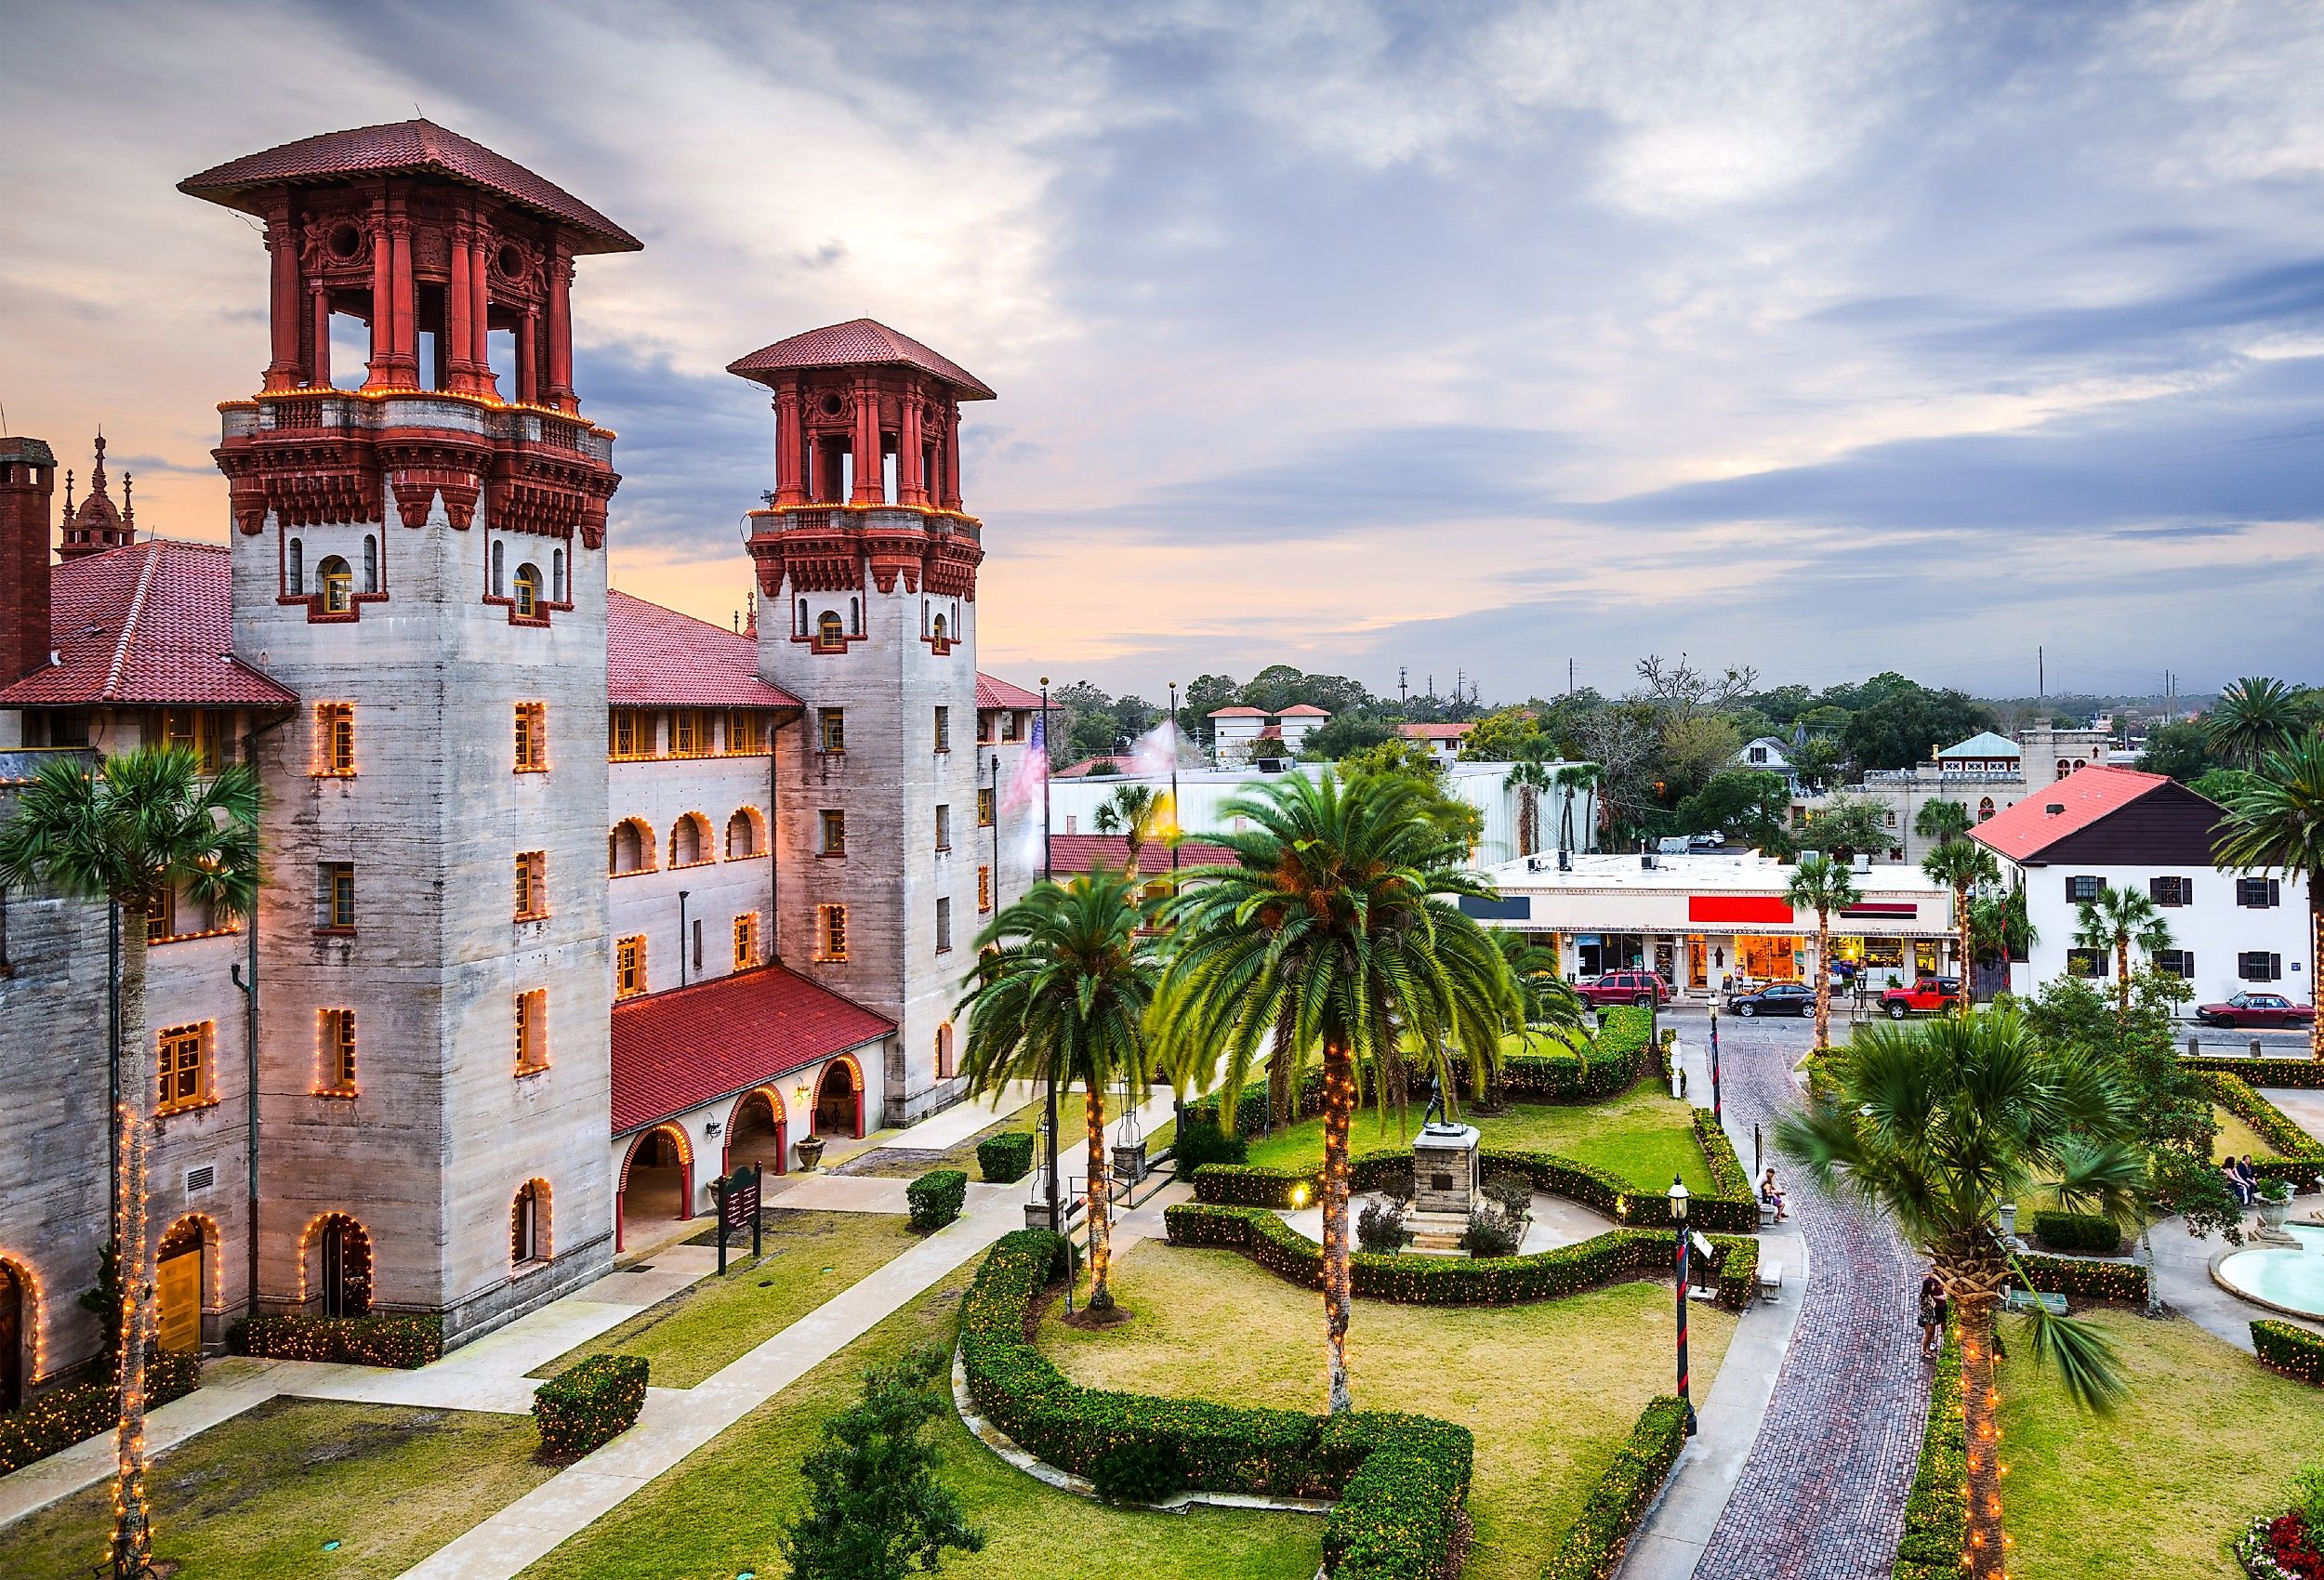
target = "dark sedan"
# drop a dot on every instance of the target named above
(2255, 1010)
(1776, 999)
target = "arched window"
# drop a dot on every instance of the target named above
(941, 630)
(1985, 809)
(944, 1051)
(557, 576)
(339, 586)
(799, 626)
(528, 589)
(629, 849)
(855, 616)
(689, 841)
(298, 567)
(500, 560)
(371, 563)
(528, 1224)
(336, 1266)
(741, 835)
(827, 632)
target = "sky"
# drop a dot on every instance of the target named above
(1454, 339)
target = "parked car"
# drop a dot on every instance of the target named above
(2255, 1010)
(1776, 999)
(1623, 987)
(1925, 996)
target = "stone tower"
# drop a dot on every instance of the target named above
(28, 487)
(867, 569)
(423, 560)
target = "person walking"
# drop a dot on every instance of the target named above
(1932, 1314)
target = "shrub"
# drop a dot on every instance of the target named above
(1492, 1232)
(1936, 1510)
(2292, 1350)
(2077, 1232)
(1200, 1141)
(1727, 1177)
(2234, 1093)
(2305, 1073)
(1737, 1266)
(1379, 1228)
(405, 1343)
(1139, 1469)
(935, 1198)
(1510, 1192)
(1006, 1158)
(2086, 1279)
(590, 1402)
(63, 1417)
(1610, 1515)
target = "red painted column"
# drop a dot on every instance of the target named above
(528, 363)
(866, 445)
(281, 243)
(319, 312)
(380, 370)
(790, 487)
(952, 455)
(404, 291)
(911, 483)
(560, 395)
(480, 310)
(458, 312)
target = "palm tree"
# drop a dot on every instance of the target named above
(1961, 865)
(2278, 825)
(1937, 1123)
(2117, 919)
(2254, 717)
(1546, 1007)
(1128, 813)
(1573, 779)
(1064, 981)
(145, 825)
(1941, 821)
(1823, 885)
(1529, 776)
(1337, 935)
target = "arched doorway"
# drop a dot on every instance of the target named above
(19, 1317)
(528, 1224)
(183, 1269)
(338, 1266)
(758, 1132)
(657, 1180)
(839, 1100)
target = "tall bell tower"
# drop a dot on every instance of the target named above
(867, 568)
(419, 551)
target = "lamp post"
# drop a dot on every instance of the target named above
(1678, 1217)
(1717, 1114)
(1049, 1184)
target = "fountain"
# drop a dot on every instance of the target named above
(2282, 1276)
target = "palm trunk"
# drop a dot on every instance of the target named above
(2315, 954)
(1528, 820)
(2122, 979)
(1823, 981)
(1339, 1108)
(133, 1535)
(1100, 1231)
(1981, 1408)
(1968, 944)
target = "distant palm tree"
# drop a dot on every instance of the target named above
(2253, 716)
(2116, 920)
(1935, 1125)
(1529, 776)
(1130, 811)
(1546, 1007)
(1960, 866)
(1823, 885)
(1063, 980)
(2278, 825)
(147, 824)
(1941, 821)
(1336, 935)
(1573, 779)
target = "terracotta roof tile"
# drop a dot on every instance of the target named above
(656, 657)
(2022, 832)
(1303, 710)
(993, 692)
(404, 147)
(1070, 853)
(673, 1050)
(1434, 731)
(145, 624)
(1238, 711)
(859, 342)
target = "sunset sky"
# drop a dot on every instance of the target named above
(1828, 339)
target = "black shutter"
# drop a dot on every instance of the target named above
(2156, 887)
(2072, 892)
(2275, 892)
(2186, 964)
(2275, 967)
(2187, 891)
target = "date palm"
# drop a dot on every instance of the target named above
(145, 825)
(2253, 716)
(1529, 776)
(1935, 1126)
(1573, 779)
(1823, 885)
(1961, 865)
(1547, 1007)
(1130, 812)
(2116, 920)
(2278, 825)
(1941, 821)
(1061, 992)
(1335, 937)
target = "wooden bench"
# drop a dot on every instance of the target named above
(1770, 1281)
(2021, 1299)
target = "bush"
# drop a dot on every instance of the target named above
(2273, 1126)
(1737, 1266)
(1510, 1192)
(590, 1402)
(2077, 1232)
(2292, 1350)
(1379, 1229)
(2080, 1277)
(1936, 1510)
(1006, 1158)
(405, 1343)
(1199, 1141)
(1492, 1232)
(935, 1198)
(63, 1417)
(1610, 1515)
(2303, 1072)
(1727, 1177)
(1140, 1469)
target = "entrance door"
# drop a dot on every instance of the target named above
(180, 1286)
(333, 1272)
(11, 1339)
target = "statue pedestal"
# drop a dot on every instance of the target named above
(1444, 1185)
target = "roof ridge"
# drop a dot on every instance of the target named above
(679, 613)
(129, 621)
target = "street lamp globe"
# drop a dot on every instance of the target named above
(1678, 1199)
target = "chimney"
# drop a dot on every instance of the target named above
(28, 487)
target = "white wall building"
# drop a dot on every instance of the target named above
(1985, 774)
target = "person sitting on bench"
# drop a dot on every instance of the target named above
(2235, 1183)
(1770, 1196)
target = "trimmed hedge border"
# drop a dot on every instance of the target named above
(1006, 1158)
(1936, 1510)
(66, 1415)
(404, 1343)
(935, 1198)
(1609, 1516)
(590, 1402)
(2086, 1278)
(1400, 1480)
(2300, 1156)
(2077, 1232)
(2305, 1073)
(2292, 1351)
(1410, 1279)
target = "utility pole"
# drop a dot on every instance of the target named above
(2041, 674)
(1569, 677)
(1403, 690)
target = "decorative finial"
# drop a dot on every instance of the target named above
(97, 473)
(68, 494)
(128, 506)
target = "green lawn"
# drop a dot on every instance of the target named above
(2207, 1439)
(1072, 1118)
(2236, 1139)
(259, 1496)
(810, 1257)
(1645, 1136)
(1550, 1390)
(717, 1513)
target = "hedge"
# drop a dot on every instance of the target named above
(935, 1198)
(588, 1403)
(1936, 1510)
(1400, 1480)
(2235, 1095)
(1455, 1280)
(2077, 1232)
(63, 1417)
(405, 1343)
(2088, 1279)
(1609, 1516)
(1726, 1169)
(2292, 1350)
(2301, 1073)
(1006, 1158)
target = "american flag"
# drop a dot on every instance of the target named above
(1033, 773)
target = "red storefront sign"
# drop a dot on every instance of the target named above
(1733, 908)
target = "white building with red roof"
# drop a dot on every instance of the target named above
(1241, 735)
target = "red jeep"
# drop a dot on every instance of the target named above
(1923, 998)
(1623, 987)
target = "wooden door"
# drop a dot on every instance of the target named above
(180, 1286)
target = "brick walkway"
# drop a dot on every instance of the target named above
(1822, 1496)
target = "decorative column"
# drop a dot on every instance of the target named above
(559, 268)
(458, 315)
(952, 455)
(281, 243)
(911, 482)
(790, 487)
(866, 490)
(403, 300)
(528, 358)
(480, 310)
(319, 315)
(380, 370)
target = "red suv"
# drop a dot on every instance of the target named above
(1923, 998)
(1623, 987)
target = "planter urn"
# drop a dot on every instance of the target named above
(810, 1150)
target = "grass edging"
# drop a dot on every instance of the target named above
(1936, 1510)
(1600, 1533)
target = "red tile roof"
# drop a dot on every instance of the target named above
(145, 624)
(1088, 766)
(2024, 830)
(419, 147)
(1303, 710)
(673, 1050)
(656, 657)
(1238, 711)
(1434, 731)
(857, 343)
(1070, 853)
(993, 692)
